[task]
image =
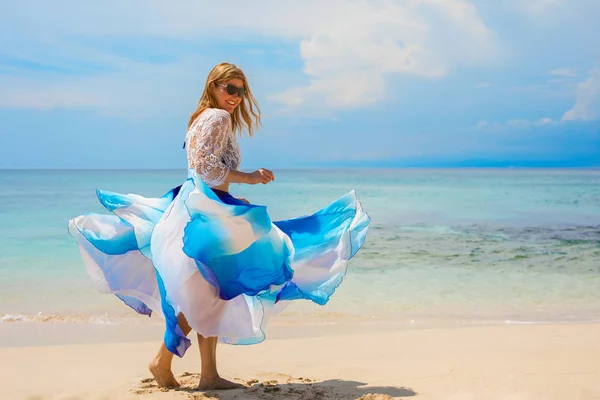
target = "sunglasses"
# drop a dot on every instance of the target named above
(232, 89)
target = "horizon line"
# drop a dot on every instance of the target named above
(524, 167)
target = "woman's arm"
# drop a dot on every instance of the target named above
(261, 175)
(208, 143)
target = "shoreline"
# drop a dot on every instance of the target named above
(57, 332)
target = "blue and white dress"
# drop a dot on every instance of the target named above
(221, 262)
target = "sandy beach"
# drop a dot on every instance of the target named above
(513, 362)
(449, 299)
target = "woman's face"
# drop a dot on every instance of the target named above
(223, 93)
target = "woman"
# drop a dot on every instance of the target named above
(210, 262)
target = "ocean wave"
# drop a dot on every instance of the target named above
(67, 318)
(551, 322)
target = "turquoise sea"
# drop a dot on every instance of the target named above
(479, 245)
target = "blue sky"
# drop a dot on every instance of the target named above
(340, 83)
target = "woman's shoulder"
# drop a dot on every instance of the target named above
(214, 114)
(210, 119)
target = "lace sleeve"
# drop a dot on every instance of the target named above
(207, 143)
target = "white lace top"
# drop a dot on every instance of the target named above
(212, 148)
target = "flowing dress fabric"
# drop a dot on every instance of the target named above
(218, 260)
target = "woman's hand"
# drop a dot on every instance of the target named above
(244, 200)
(262, 175)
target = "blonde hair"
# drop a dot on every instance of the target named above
(246, 115)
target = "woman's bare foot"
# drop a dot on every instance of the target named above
(163, 376)
(217, 383)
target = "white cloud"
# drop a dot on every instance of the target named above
(482, 124)
(349, 57)
(349, 47)
(564, 72)
(516, 123)
(524, 123)
(587, 100)
(538, 7)
(133, 90)
(44, 99)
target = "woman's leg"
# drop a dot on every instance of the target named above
(209, 377)
(160, 366)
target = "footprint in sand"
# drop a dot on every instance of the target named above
(268, 386)
(200, 396)
(375, 396)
